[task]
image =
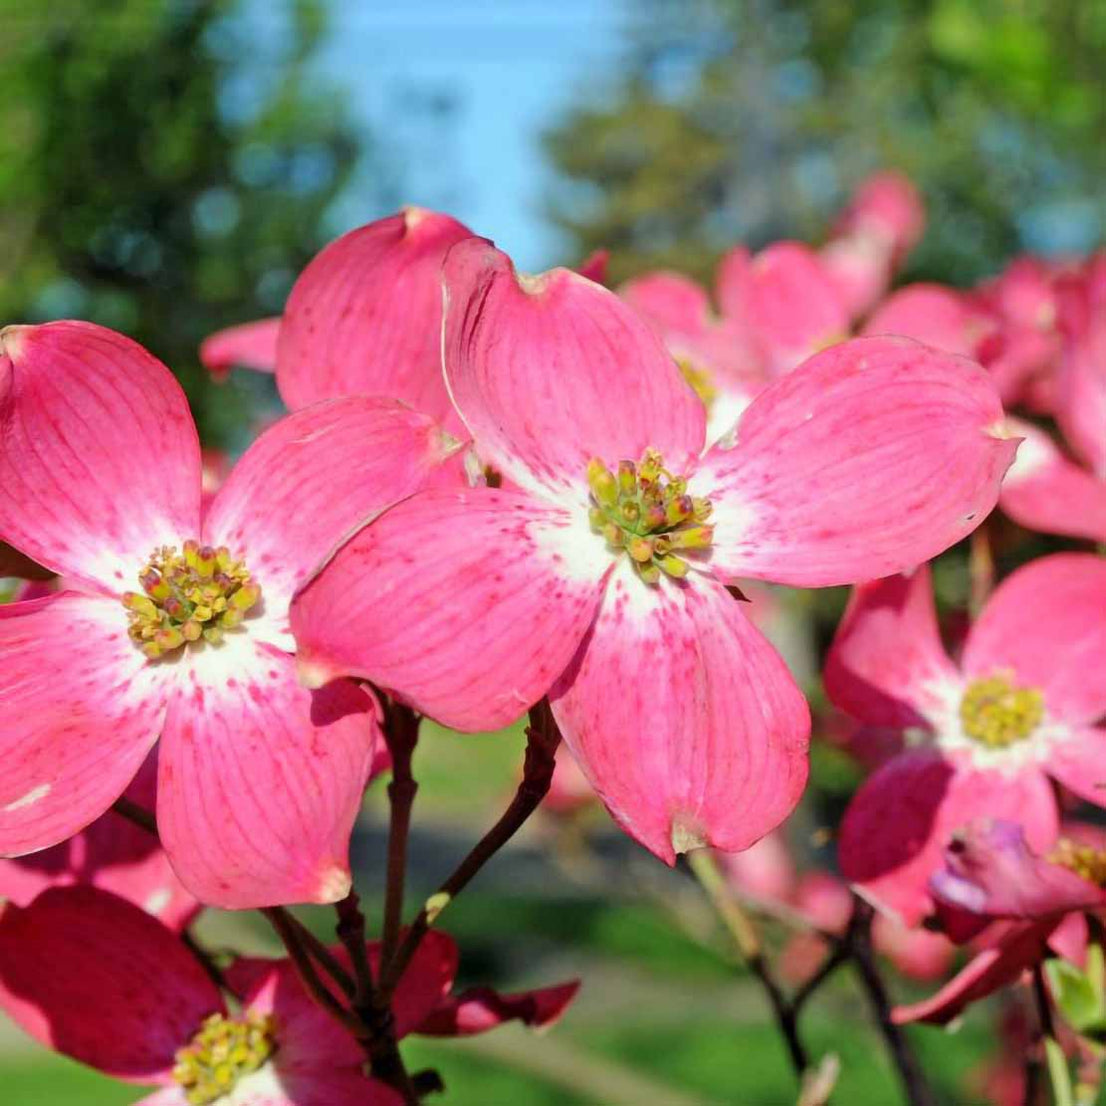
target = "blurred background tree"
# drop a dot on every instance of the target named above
(752, 119)
(162, 171)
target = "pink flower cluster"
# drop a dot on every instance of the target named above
(495, 490)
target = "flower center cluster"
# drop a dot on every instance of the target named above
(997, 714)
(221, 1053)
(1083, 860)
(700, 380)
(646, 511)
(198, 593)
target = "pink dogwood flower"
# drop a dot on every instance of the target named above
(1025, 906)
(113, 854)
(981, 739)
(174, 621)
(93, 977)
(599, 578)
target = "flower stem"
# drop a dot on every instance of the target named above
(859, 940)
(705, 868)
(1059, 1075)
(401, 731)
(542, 739)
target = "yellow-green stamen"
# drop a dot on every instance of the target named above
(996, 713)
(1083, 860)
(200, 592)
(646, 511)
(222, 1052)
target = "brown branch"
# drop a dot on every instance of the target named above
(401, 731)
(542, 739)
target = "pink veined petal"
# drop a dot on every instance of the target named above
(467, 604)
(550, 371)
(364, 317)
(113, 854)
(96, 978)
(260, 780)
(1046, 623)
(989, 971)
(480, 1009)
(887, 660)
(1081, 410)
(715, 751)
(249, 345)
(1079, 763)
(99, 459)
(872, 457)
(794, 304)
(673, 303)
(989, 869)
(899, 822)
(313, 478)
(1045, 491)
(941, 317)
(80, 707)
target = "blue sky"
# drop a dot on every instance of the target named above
(510, 67)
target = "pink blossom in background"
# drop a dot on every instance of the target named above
(983, 738)
(473, 605)
(93, 977)
(881, 225)
(249, 346)
(767, 874)
(175, 626)
(1023, 906)
(774, 310)
(113, 854)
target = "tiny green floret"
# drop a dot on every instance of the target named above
(199, 592)
(996, 713)
(645, 511)
(222, 1052)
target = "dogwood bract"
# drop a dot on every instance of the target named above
(173, 621)
(598, 577)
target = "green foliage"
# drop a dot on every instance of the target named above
(164, 167)
(736, 120)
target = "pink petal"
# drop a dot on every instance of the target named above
(92, 976)
(899, 822)
(941, 317)
(991, 970)
(594, 266)
(312, 479)
(80, 707)
(1081, 410)
(1045, 491)
(887, 661)
(989, 869)
(552, 370)
(916, 953)
(1071, 938)
(113, 854)
(715, 752)
(1045, 624)
(794, 304)
(860, 266)
(672, 302)
(887, 204)
(468, 604)
(872, 457)
(365, 316)
(480, 1009)
(100, 463)
(764, 870)
(250, 345)
(1079, 763)
(733, 284)
(260, 779)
